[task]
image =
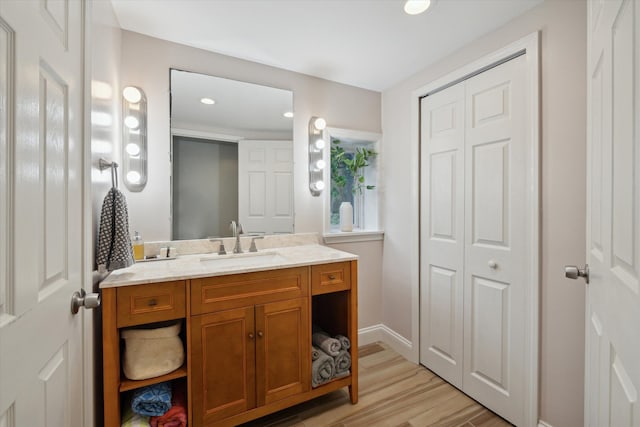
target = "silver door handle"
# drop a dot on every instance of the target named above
(573, 272)
(82, 299)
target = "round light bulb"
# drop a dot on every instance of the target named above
(318, 185)
(131, 122)
(133, 149)
(319, 165)
(132, 94)
(288, 114)
(319, 144)
(416, 7)
(320, 123)
(207, 101)
(133, 177)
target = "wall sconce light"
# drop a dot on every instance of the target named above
(134, 138)
(316, 156)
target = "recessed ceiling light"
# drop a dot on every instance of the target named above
(207, 101)
(415, 7)
(288, 114)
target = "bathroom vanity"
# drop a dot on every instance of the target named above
(246, 328)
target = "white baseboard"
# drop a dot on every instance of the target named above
(543, 424)
(388, 336)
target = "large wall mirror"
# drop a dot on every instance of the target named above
(232, 157)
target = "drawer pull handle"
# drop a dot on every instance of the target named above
(152, 302)
(250, 335)
(260, 334)
(332, 277)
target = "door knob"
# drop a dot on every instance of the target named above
(573, 272)
(82, 299)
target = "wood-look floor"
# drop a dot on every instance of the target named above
(393, 393)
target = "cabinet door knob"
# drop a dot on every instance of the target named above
(250, 335)
(260, 334)
(332, 277)
(152, 302)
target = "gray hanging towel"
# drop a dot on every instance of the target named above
(114, 241)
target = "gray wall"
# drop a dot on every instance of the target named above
(562, 26)
(204, 188)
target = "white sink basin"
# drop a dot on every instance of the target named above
(248, 259)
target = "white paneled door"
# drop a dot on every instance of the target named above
(265, 186)
(475, 243)
(613, 215)
(41, 234)
(442, 237)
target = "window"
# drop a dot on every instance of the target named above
(354, 159)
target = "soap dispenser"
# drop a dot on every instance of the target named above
(138, 247)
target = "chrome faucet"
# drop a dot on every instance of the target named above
(221, 249)
(236, 229)
(253, 247)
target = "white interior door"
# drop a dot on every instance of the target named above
(613, 215)
(442, 237)
(475, 242)
(41, 187)
(265, 186)
(496, 240)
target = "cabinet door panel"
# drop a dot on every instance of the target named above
(283, 359)
(223, 364)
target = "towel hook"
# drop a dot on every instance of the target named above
(105, 164)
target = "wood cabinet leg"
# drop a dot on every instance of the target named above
(353, 393)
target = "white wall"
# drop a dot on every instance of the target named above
(105, 100)
(146, 62)
(562, 25)
(103, 64)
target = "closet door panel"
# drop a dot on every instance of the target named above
(495, 238)
(442, 239)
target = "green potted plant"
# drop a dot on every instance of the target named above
(347, 171)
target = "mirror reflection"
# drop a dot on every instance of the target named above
(232, 157)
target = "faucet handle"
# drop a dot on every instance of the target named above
(253, 247)
(221, 249)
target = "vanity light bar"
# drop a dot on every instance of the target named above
(134, 138)
(316, 155)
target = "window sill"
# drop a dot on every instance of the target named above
(353, 236)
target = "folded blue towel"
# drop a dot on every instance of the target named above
(152, 401)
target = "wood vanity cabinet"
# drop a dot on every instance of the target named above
(248, 338)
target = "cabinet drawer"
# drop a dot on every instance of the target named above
(330, 277)
(150, 303)
(238, 290)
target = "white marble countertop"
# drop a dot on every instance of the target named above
(206, 265)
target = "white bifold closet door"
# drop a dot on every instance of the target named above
(474, 239)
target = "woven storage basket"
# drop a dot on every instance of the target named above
(150, 353)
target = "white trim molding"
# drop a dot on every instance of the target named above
(543, 424)
(529, 46)
(353, 236)
(381, 332)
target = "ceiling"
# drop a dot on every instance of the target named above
(371, 44)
